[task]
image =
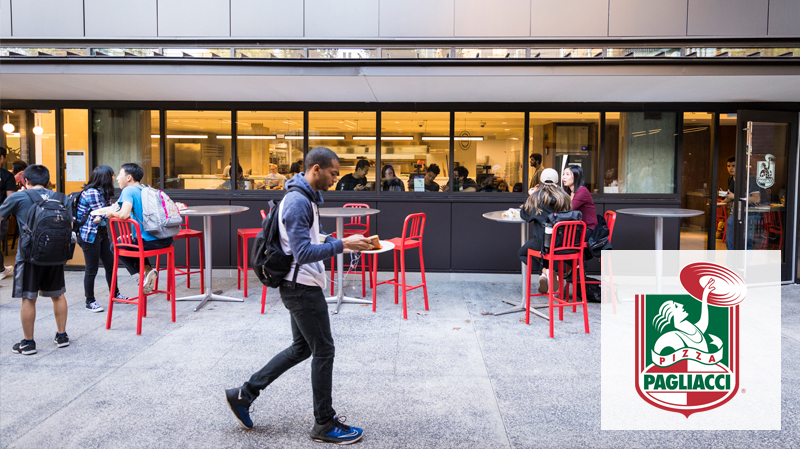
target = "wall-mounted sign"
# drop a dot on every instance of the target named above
(76, 166)
(765, 172)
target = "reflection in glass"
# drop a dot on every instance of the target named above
(128, 135)
(696, 180)
(415, 145)
(198, 152)
(488, 151)
(643, 52)
(640, 152)
(566, 52)
(342, 53)
(490, 52)
(351, 135)
(558, 139)
(197, 52)
(415, 53)
(267, 53)
(268, 143)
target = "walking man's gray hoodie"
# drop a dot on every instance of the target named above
(302, 235)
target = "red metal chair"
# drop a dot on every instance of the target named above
(567, 244)
(722, 215)
(185, 270)
(356, 225)
(125, 245)
(413, 230)
(773, 225)
(242, 236)
(611, 219)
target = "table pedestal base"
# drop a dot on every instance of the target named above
(339, 300)
(205, 297)
(521, 308)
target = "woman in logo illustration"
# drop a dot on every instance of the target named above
(686, 333)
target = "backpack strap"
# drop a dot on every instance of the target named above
(305, 194)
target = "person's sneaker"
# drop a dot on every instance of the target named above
(62, 340)
(150, 281)
(239, 406)
(542, 284)
(121, 296)
(25, 347)
(94, 307)
(7, 271)
(336, 432)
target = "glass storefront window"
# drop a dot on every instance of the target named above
(269, 146)
(415, 52)
(558, 139)
(342, 53)
(198, 151)
(33, 139)
(267, 53)
(488, 151)
(490, 52)
(640, 152)
(696, 190)
(351, 135)
(121, 136)
(415, 147)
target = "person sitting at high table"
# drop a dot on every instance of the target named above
(463, 183)
(390, 182)
(130, 202)
(544, 200)
(572, 178)
(356, 180)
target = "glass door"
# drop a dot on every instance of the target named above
(765, 187)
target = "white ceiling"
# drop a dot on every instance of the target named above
(175, 82)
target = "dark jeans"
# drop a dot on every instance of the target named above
(311, 333)
(93, 253)
(536, 263)
(132, 263)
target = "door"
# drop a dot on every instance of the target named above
(766, 184)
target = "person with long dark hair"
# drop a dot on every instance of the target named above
(572, 178)
(93, 234)
(390, 181)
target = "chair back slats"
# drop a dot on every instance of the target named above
(263, 214)
(611, 218)
(568, 237)
(122, 237)
(361, 222)
(414, 227)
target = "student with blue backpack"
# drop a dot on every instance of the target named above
(301, 291)
(46, 244)
(130, 202)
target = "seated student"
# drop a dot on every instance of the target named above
(32, 281)
(293, 170)
(130, 202)
(517, 187)
(463, 183)
(572, 178)
(493, 184)
(356, 180)
(274, 180)
(430, 175)
(390, 182)
(545, 200)
(227, 184)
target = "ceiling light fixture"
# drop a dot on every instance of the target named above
(457, 139)
(325, 137)
(249, 137)
(183, 136)
(8, 127)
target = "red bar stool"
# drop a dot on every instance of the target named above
(411, 238)
(124, 245)
(567, 244)
(356, 225)
(242, 236)
(611, 219)
(187, 234)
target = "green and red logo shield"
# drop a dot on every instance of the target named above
(687, 345)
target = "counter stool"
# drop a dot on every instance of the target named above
(187, 234)
(356, 225)
(567, 244)
(242, 236)
(125, 245)
(411, 238)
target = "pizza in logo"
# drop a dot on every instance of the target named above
(687, 346)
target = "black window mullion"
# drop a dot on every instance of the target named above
(305, 138)
(378, 173)
(162, 147)
(601, 155)
(526, 151)
(711, 219)
(451, 163)
(234, 153)
(60, 150)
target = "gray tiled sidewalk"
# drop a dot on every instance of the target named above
(451, 378)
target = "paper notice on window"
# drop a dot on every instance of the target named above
(76, 166)
(419, 184)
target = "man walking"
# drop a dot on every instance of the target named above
(302, 237)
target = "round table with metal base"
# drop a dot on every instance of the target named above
(340, 213)
(207, 212)
(498, 216)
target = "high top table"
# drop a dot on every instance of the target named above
(207, 212)
(498, 216)
(340, 213)
(659, 214)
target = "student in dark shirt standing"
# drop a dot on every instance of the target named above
(356, 180)
(582, 201)
(32, 281)
(536, 163)
(7, 186)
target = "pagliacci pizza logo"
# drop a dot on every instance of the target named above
(687, 346)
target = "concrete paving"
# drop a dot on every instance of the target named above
(451, 377)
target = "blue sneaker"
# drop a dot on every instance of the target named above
(336, 432)
(239, 406)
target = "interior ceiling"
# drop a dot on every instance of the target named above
(689, 83)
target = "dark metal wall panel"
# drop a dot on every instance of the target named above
(436, 240)
(479, 244)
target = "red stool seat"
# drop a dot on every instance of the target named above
(124, 245)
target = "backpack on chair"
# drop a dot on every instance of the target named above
(47, 237)
(267, 258)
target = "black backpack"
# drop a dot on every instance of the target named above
(556, 217)
(74, 202)
(598, 240)
(47, 237)
(267, 258)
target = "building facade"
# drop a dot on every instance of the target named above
(218, 99)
